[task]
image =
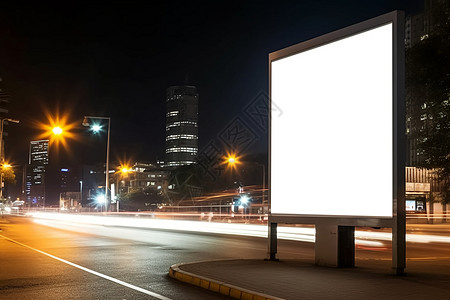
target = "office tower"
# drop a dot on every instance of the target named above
(38, 160)
(420, 26)
(424, 110)
(4, 102)
(181, 125)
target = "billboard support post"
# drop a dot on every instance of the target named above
(273, 243)
(346, 246)
(399, 142)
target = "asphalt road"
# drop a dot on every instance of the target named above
(138, 257)
(101, 262)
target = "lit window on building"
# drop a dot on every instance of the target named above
(172, 113)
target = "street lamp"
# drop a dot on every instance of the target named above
(57, 130)
(101, 200)
(232, 160)
(81, 191)
(2, 155)
(96, 128)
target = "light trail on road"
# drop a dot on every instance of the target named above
(304, 234)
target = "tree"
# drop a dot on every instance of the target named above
(188, 182)
(147, 199)
(8, 175)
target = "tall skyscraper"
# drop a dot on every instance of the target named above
(4, 103)
(38, 160)
(421, 26)
(181, 125)
(4, 100)
(421, 117)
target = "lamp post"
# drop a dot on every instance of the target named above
(2, 155)
(96, 128)
(81, 191)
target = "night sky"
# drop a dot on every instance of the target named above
(117, 60)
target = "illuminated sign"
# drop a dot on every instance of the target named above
(410, 205)
(334, 137)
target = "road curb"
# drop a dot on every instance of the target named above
(216, 286)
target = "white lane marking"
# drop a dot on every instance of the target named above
(91, 271)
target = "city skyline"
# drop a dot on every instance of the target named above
(191, 150)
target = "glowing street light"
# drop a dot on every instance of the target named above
(101, 200)
(96, 128)
(231, 160)
(57, 130)
(244, 199)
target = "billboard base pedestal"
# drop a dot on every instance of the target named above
(335, 246)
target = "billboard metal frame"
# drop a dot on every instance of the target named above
(397, 221)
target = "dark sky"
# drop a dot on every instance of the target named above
(117, 60)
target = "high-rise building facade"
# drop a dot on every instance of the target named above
(4, 100)
(419, 27)
(4, 103)
(421, 117)
(181, 125)
(37, 162)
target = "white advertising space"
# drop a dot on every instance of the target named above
(332, 145)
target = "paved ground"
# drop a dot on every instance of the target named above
(259, 279)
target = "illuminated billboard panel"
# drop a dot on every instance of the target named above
(331, 147)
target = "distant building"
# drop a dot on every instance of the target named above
(425, 193)
(414, 30)
(4, 103)
(420, 26)
(181, 125)
(92, 183)
(4, 100)
(140, 177)
(70, 201)
(69, 180)
(419, 120)
(37, 163)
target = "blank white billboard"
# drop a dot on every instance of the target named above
(332, 128)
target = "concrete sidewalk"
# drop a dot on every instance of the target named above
(260, 279)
